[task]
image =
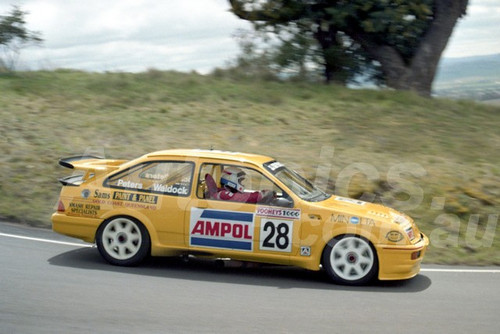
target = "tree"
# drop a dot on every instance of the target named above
(403, 38)
(297, 50)
(14, 36)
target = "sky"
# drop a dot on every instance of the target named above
(194, 35)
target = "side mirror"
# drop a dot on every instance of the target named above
(283, 202)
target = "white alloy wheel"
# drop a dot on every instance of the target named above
(350, 260)
(123, 241)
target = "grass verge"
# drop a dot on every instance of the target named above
(435, 159)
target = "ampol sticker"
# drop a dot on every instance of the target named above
(221, 229)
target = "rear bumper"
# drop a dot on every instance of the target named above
(401, 262)
(83, 228)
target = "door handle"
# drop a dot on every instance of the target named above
(314, 216)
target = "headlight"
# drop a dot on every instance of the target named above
(405, 223)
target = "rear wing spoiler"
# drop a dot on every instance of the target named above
(68, 162)
(90, 164)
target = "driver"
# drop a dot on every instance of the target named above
(233, 190)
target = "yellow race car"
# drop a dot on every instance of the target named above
(231, 205)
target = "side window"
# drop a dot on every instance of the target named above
(253, 181)
(162, 177)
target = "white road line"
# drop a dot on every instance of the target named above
(439, 270)
(482, 271)
(46, 240)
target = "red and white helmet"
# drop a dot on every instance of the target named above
(233, 177)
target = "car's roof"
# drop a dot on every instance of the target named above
(212, 154)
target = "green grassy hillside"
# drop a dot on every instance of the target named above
(435, 159)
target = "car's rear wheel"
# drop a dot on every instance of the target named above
(123, 241)
(350, 259)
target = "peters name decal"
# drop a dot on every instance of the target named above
(221, 229)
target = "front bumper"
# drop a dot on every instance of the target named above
(401, 262)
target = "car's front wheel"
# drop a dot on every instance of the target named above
(123, 241)
(350, 259)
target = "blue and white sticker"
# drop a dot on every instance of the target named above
(85, 193)
(354, 220)
(221, 229)
(305, 251)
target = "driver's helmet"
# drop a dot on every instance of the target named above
(233, 177)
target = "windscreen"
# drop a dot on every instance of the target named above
(296, 183)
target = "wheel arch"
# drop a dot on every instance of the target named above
(123, 240)
(135, 215)
(367, 234)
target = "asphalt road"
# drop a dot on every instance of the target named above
(54, 284)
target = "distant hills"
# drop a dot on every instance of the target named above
(476, 78)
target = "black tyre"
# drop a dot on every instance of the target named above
(123, 241)
(350, 260)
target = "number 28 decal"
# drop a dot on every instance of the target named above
(276, 235)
